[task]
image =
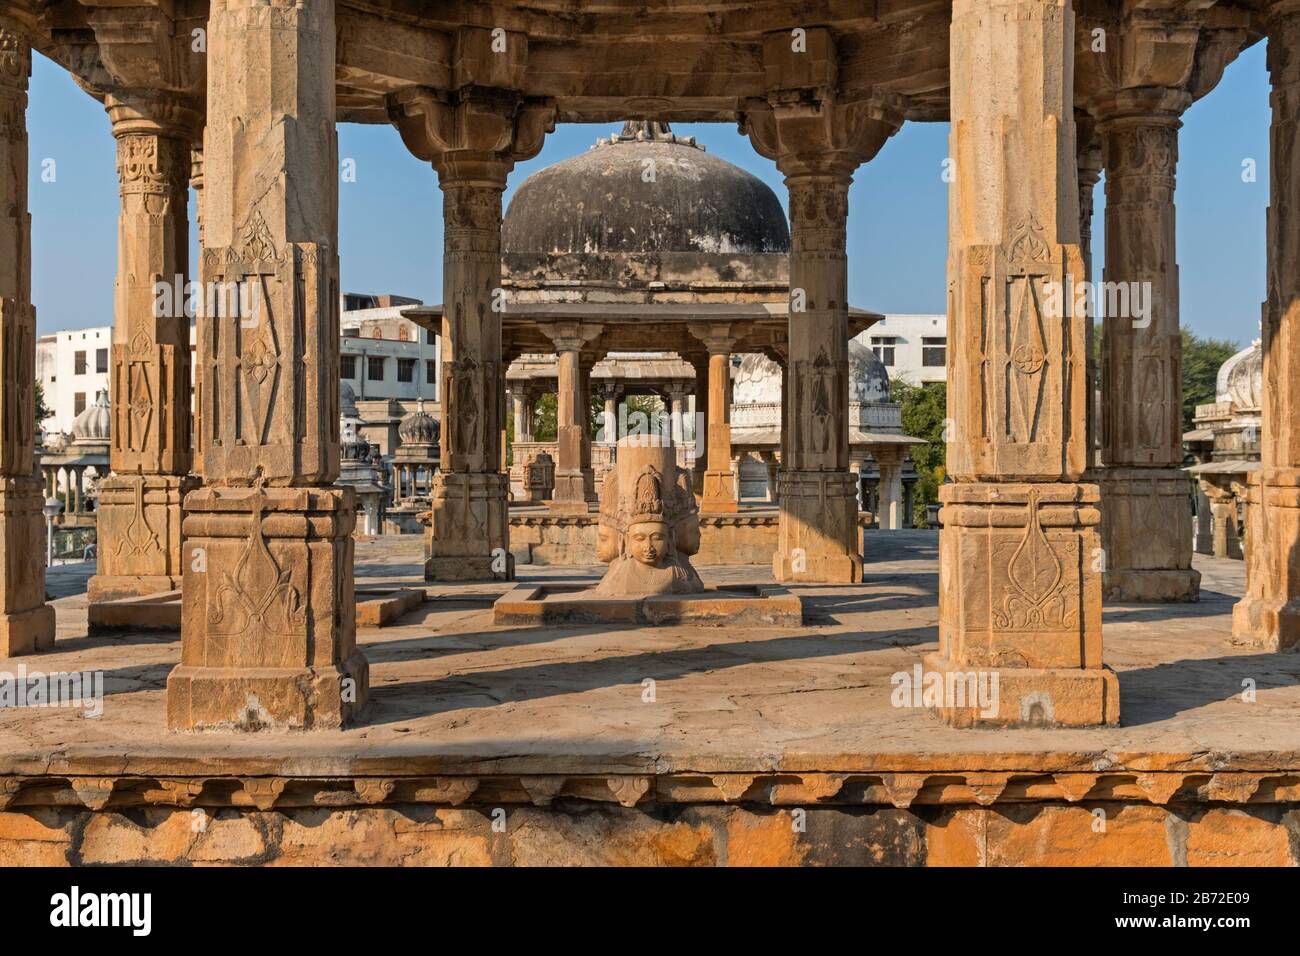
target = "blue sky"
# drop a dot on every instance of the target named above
(391, 216)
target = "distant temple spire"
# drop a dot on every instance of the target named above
(647, 131)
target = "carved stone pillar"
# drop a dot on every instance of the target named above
(719, 478)
(891, 490)
(268, 621)
(701, 415)
(1269, 614)
(472, 138)
(818, 138)
(573, 474)
(610, 426)
(1019, 582)
(139, 516)
(1146, 527)
(196, 368)
(26, 621)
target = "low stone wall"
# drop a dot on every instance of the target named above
(542, 538)
(578, 832)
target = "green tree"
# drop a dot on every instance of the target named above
(925, 412)
(43, 411)
(1201, 361)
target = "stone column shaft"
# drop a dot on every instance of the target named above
(1019, 592)
(1269, 614)
(701, 415)
(719, 478)
(26, 621)
(139, 516)
(573, 473)
(818, 536)
(1146, 526)
(268, 621)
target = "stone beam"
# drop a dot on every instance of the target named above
(26, 621)
(1019, 582)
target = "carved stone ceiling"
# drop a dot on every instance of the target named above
(607, 60)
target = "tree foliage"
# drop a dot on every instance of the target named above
(925, 413)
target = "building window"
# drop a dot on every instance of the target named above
(377, 333)
(429, 337)
(406, 370)
(79, 363)
(401, 333)
(348, 366)
(375, 368)
(78, 403)
(883, 346)
(934, 352)
(430, 372)
(101, 360)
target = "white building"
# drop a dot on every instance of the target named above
(389, 361)
(72, 368)
(913, 348)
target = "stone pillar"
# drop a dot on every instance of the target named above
(517, 411)
(196, 368)
(26, 621)
(1146, 527)
(909, 503)
(1204, 525)
(677, 413)
(611, 415)
(818, 139)
(701, 415)
(268, 620)
(1019, 581)
(891, 490)
(770, 463)
(1269, 614)
(139, 515)
(855, 469)
(530, 411)
(574, 478)
(1225, 526)
(719, 479)
(472, 137)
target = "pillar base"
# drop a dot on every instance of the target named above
(1150, 586)
(271, 698)
(470, 569)
(27, 632)
(469, 528)
(26, 621)
(1271, 625)
(268, 615)
(1031, 697)
(818, 539)
(719, 492)
(139, 532)
(1020, 596)
(1146, 532)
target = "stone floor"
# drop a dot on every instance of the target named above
(452, 693)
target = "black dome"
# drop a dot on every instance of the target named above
(603, 202)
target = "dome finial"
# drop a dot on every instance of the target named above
(648, 131)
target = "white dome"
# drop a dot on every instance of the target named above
(758, 380)
(1241, 378)
(93, 424)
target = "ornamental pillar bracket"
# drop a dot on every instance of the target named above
(807, 124)
(717, 339)
(571, 336)
(476, 133)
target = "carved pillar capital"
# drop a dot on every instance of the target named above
(476, 134)
(816, 133)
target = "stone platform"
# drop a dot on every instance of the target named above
(675, 745)
(735, 606)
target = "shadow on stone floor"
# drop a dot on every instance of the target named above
(393, 703)
(1163, 691)
(430, 646)
(1212, 604)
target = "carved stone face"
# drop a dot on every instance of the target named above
(647, 542)
(606, 543)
